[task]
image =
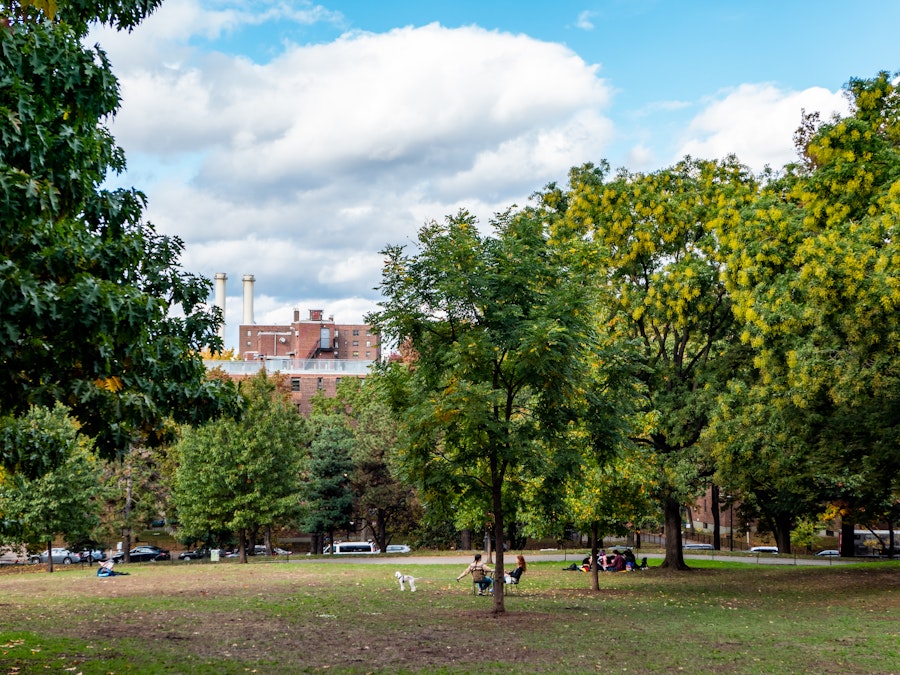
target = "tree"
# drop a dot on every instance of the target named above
(381, 497)
(759, 454)
(238, 475)
(501, 329)
(61, 501)
(94, 311)
(610, 498)
(329, 495)
(814, 279)
(137, 492)
(658, 264)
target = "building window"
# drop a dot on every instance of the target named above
(368, 343)
(355, 332)
(295, 384)
(355, 355)
(319, 384)
(249, 333)
(356, 343)
(368, 355)
(337, 381)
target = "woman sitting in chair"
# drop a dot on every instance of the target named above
(479, 572)
(513, 576)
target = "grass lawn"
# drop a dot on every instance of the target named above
(278, 617)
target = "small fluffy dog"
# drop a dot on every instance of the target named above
(406, 579)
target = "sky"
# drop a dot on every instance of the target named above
(295, 140)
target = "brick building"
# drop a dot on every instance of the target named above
(311, 354)
(314, 338)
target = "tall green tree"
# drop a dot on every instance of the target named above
(814, 280)
(388, 504)
(94, 311)
(501, 328)
(239, 475)
(328, 494)
(63, 501)
(658, 261)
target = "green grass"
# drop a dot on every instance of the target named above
(275, 617)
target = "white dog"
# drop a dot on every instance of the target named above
(406, 579)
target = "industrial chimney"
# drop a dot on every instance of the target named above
(248, 299)
(220, 301)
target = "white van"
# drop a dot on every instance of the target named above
(764, 549)
(353, 547)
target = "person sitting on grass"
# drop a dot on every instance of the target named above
(618, 563)
(106, 570)
(479, 571)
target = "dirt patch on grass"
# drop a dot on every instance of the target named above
(250, 634)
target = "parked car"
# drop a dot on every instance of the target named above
(92, 555)
(60, 556)
(829, 553)
(699, 547)
(352, 547)
(398, 548)
(195, 554)
(143, 554)
(13, 556)
(764, 549)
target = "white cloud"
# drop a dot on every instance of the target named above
(585, 20)
(300, 169)
(756, 122)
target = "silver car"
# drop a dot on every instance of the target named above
(61, 556)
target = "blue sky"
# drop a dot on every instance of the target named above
(294, 140)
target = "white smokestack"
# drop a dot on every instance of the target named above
(248, 299)
(220, 300)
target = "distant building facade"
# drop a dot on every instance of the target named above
(311, 354)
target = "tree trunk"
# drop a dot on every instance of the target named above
(674, 559)
(595, 560)
(50, 556)
(783, 533)
(126, 514)
(242, 543)
(848, 543)
(497, 490)
(717, 529)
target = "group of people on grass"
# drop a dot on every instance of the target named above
(481, 574)
(620, 560)
(617, 561)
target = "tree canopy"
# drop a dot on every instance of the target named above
(657, 264)
(94, 311)
(502, 332)
(238, 475)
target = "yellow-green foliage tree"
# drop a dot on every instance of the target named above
(658, 261)
(815, 281)
(611, 498)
